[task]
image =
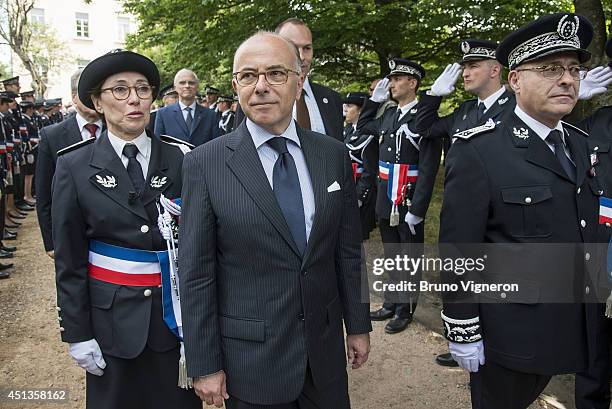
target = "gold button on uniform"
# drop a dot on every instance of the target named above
(147, 293)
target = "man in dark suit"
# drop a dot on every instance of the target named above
(270, 251)
(526, 186)
(84, 124)
(320, 108)
(187, 120)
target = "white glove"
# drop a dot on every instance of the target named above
(88, 356)
(445, 84)
(412, 221)
(468, 356)
(595, 83)
(381, 91)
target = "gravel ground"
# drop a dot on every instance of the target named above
(400, 374)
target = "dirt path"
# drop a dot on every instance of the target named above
(401, 373)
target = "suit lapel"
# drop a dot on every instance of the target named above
(157, 179)
(579, 158)
(178, 116)
(112, 178)
(317, 167)
(247, 167)
(73, 133)
(196, 119)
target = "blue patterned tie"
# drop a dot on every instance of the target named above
(188, 118)
(286, 187)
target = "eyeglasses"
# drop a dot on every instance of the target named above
(274, 76)
(554, 72)
(122, 92)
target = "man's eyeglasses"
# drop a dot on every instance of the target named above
(274, 76)
(554, 72)
(122, 92)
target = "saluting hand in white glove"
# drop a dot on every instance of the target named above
(445, 84)
(595, 83)
(381, 91)
(88, 356)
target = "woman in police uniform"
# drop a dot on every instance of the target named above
(105, 214)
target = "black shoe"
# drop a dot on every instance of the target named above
(24, 207)
(446, 360)
(397, 325)
(10, 249)
(381, 314)
(16, 215)
(9, 236)
(5, 254)
(9, 220)
(12, 226)
(5, 266)
(4, 274)
(29, 203)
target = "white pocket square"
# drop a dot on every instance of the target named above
(333, 187)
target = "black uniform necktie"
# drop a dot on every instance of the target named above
(396, 118)
(286, 187)
(188, 118)
(481, 110)
(133, 168)
(554, 137)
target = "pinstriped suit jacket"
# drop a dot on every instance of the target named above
(252, 306)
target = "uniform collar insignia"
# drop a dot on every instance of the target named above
(502, 101)
(157, 182)
(413, 111)
(464, 117)
(521, 133)
(107, 181)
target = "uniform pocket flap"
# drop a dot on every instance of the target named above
(248, 329)
(101, 296)
(599, 146)
(526, 195)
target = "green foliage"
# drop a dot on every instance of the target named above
(352, 39)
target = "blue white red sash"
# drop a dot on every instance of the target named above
(134, 267)
(397, 175)
(605, 210)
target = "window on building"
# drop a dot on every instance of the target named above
(37, 16)
(82, 25)
(123, 28)
(82, 63)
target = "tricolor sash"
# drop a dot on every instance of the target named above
(134, 267)
(605, 210)
(398, 176)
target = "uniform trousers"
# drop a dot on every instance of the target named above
(335, 395)
(497, 387)
(148, 381)
(399, 241)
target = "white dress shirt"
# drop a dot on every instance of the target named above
(542, 130)
(81, 122)
(143, 143)
(404, 110)
(268, 157)
(490, 100)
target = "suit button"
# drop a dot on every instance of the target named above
(528, 200)
(596, 148)
(304, 273)
(144, 228)
(583, 223)
(58, 308)
(389, 149)
(587, 290)
(62, 329)
(147, 293)
(578, 191)
(301, 317)
(503, 295)
(587, 256)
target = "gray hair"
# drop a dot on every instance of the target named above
(74, 80)
(185, 71)
(290, 45)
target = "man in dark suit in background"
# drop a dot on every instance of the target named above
(187, 120)
(320, 109)
(270, 258)
(84, 124)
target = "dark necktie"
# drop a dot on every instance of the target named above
(133, 168)
(396, 117)
(92, 128)
(286, 187)
(554, 137)
(303, 117)
(481, 111)
(188, 118)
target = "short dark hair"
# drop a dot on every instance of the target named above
(291, 20)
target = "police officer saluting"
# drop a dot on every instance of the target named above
(407, 171)
(109, 252)
(525, 182)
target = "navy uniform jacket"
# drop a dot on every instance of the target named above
(429, 125)
(122, 319)
(426, 157)
(505, 185)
